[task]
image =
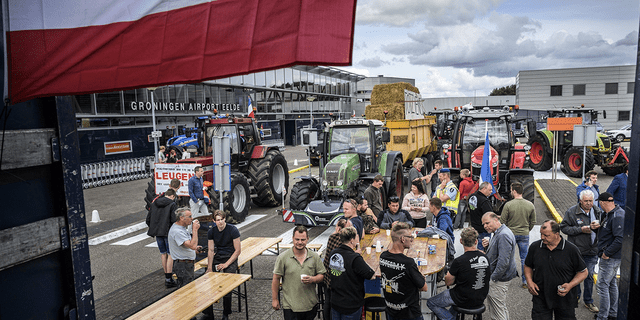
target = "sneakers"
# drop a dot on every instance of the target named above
(170, 283)
(591, 307)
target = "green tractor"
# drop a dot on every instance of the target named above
(610, 156)
(354, 153)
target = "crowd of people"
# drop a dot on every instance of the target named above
(552, 268)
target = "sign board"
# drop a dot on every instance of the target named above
(585, 135)
(156, 134)
(563, 124)
(116, 147)
(164, 172)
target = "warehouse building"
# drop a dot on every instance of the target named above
(606, 89)
(284, 100)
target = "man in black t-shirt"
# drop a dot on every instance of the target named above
(224, 249)
(470, 273)
(479, 204)
(401, 279)
(553, 268)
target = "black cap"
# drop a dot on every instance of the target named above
(605, 196)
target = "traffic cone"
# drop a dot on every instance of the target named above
(295, 162)
(95, 216)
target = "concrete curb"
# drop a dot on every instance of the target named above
(298, 169)
(547, 202)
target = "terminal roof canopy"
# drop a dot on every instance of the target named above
(76, 46)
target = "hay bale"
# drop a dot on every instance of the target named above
(396, 111)
(390, 93)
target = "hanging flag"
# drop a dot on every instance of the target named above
(77, 46)
(485, 172)
(251, 114)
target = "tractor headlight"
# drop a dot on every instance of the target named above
(527, 147)
(325, 183)
(476, 165)
(445, 146)
(339, 183)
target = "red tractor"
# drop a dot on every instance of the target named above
(508, 158)
(258, 172)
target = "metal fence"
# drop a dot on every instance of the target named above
(110, 172)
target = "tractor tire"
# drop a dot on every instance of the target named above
(236, 201)
(396, 185)
(268, 175)
(528, 187)
(572, 162)
(539, 158)
(302, 193)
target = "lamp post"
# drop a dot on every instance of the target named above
(153, 120)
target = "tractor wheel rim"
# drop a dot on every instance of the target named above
(575, 162)
(278, 178)
(239, 198)
(536, 153)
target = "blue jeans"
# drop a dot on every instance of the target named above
(416, 318)
(482, 235)
(523, 248)
(590, 261)
(335, 315)
(439, 303)
(608, 288)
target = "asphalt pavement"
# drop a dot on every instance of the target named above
(122, 257)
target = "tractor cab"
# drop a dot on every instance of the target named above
(243, 136)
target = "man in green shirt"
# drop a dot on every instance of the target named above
(299, 269)
(519, 215)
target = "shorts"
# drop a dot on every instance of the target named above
(163, 244)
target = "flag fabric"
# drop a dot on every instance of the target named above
(251, 114)
(485, 172)
(68, 47)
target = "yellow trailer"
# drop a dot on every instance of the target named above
(414, 138)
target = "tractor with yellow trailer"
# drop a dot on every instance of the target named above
(356, 150)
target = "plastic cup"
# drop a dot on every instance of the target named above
(368, 250)
(596, 221)
(388, 233)
(302, 276)
(561, 288)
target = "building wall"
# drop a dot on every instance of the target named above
(478, 102)
(534, 91)
(365, 86)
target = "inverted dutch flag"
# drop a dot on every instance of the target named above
(251, 114)
(485, 172)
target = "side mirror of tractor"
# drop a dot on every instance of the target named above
(604, 114)
(386, 136)
(531, 128)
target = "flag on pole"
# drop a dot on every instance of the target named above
(485, 172)
(70, 47)
(251, 114)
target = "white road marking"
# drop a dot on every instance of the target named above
(131, 240)
(547, 174)
(286, 239)
(250, 219)
(117, 234)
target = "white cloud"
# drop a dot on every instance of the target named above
(407, 12)
(373, 62)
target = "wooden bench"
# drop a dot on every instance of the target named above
(193, 298)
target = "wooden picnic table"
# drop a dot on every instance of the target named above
(435, 262)
(193, 298)
(250, 248)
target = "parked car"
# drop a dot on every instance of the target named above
(620, 134)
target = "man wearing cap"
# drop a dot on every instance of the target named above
(609, 251)
(447, 191)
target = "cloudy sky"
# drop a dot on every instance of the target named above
(468, 47)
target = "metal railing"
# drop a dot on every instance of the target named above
(116, 171)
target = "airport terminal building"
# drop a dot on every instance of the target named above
(283, 99)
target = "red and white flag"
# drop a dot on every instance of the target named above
(67, 47)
